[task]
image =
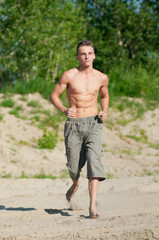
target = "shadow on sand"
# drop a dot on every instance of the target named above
(16, 209)
(63, 212)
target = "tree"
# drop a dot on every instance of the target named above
(122, 30)
(38, 38)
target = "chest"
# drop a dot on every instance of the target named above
(84, 85)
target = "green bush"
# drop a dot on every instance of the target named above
(52, 120)
(34, 104)
(34, 85)
(7, 103)
(15, 112)
(48, 140)
(125, 80)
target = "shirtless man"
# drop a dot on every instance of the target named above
(83, 128)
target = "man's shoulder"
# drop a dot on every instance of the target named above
(70, 73)
(67, 76)
(101, 76)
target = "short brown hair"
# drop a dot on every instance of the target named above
(84, 43)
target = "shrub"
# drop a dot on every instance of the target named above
(48, 140)
(7, 103)
(15, 112)
(34, 104)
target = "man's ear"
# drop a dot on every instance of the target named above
(77, 57)
(94, 56)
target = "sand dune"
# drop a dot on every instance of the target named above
(128, 201)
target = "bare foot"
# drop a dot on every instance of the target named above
(71, 191)
(93, 214)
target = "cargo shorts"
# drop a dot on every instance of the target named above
(83, 143)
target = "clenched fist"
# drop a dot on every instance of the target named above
(70, 112)
(103, 116)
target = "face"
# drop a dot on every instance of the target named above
(85, 55)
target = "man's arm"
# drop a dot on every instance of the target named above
(104, 95)
(58, 90)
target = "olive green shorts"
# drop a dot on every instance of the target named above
(83, 143)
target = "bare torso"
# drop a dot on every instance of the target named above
(82, 91)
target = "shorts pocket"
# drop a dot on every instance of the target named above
(67, 129)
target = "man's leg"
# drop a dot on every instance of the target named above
(93, 190)
(71, 191)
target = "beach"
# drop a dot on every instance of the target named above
(33, 208)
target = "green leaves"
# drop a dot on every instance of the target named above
(38, 38)
(48, 140)
(38, 42)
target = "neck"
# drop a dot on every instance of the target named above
(87, 70)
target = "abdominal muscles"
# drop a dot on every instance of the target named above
(85, 104)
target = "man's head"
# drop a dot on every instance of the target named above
(84, 43)
(85, 53)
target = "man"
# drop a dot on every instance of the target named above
(83, 128)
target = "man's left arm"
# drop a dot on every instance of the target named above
(104, 96)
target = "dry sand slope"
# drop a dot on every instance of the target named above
(36, 209)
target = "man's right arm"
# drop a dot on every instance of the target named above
(58, 90)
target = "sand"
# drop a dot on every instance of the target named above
(128, 201)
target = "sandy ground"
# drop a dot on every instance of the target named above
(128, 201)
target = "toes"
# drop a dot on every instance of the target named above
(93, 215)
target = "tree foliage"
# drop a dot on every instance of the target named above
(123, 30)
(38, 38)
(38, 41)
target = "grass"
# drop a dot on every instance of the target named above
(138, 139)
(7, 175)
(36, 118)
(155, 146)
(23, 175)
(35, 111)
(15, 112)
(109, 176)
(1, 117)
(12, 149)
(128, 110)
(44, 176)
(22, 87)
(123, 121)
(24, 99)
(64, 174)
(24, 143)
(139, 151)
(125, 103)
(147, 172)
(155, 180)
(34, 104)
(7, 103)
(126, 151)
(48, 140)
(104, 145)
(14, 161)
(136, 109)
(52, 120)
(142, 138)
(41, 175)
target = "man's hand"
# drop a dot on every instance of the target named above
(103, 116)
(70, 112)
